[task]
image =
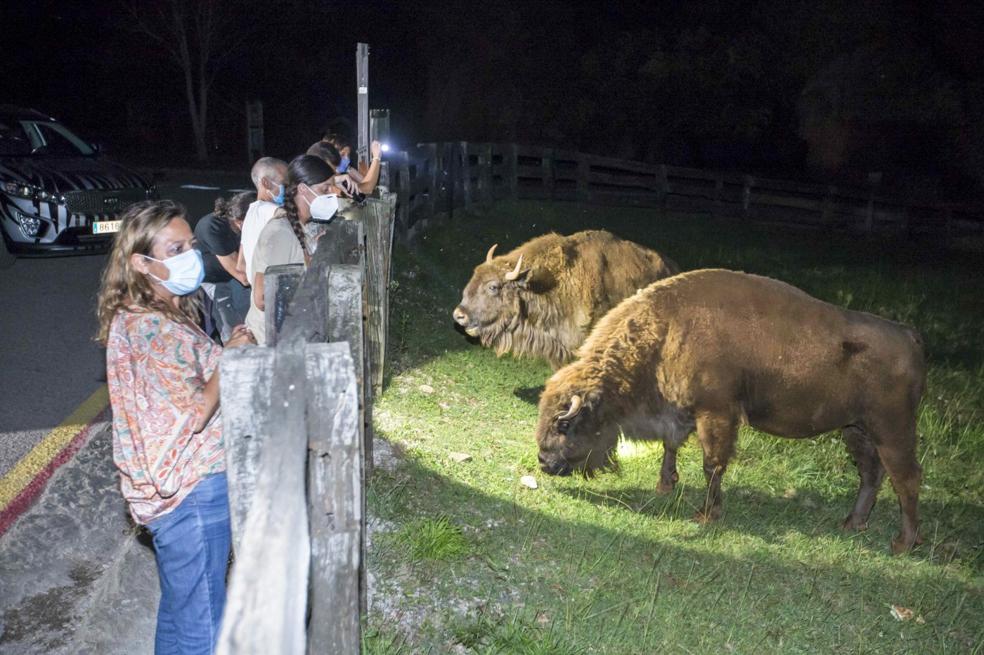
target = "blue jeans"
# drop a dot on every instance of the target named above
(192, 544)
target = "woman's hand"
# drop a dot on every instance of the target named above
(241, 336)
(376, 150)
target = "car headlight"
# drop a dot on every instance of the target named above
(31, 191)
(30, 226)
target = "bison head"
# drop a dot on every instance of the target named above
(572, 434)
(491, 301)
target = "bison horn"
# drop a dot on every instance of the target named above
(490, 253)
(573, 410)
(513, 274)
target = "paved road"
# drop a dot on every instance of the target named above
(49, 363)
(75, 575)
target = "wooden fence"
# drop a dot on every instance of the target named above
(438, 178)
(298, 441)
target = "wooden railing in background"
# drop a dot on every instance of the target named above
(297, 427)
(438, 178)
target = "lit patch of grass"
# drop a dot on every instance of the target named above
(433, 539)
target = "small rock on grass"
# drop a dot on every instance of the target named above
(458, 458)
(900, 613)
(426, 388)
(528, 481)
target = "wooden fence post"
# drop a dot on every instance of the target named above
(583, 178)
(267, 601)
(662, 187)
(746, 195)
(378, 218)
(827, 209)
(245, 401)
(280, 284)
(513, 152)
(335, 500)
(485, 173)
(549, 163)
(464, 175)
(433, 177)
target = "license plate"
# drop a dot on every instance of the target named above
(105, 227)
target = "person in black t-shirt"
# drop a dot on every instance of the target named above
(217, 236)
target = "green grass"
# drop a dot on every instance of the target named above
(432, 539)
(465, 559)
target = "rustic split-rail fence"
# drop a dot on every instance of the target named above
(436, 178)
(299, 440)
(297, 415)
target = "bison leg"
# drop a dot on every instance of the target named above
(668, 475)
(897, 451)
(717, 435)
(871, 472)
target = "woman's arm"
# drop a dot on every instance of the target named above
(241, 265)
(230, 263)
(258, 291)
(210, 397)
(368, 183)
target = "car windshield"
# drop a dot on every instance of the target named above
(29, 137)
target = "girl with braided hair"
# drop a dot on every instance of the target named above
(283, 240)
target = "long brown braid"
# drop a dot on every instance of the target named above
(289, 212)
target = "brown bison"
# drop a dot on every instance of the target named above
(541, 299)
(711, 349)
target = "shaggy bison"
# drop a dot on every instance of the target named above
(711, 349)
(541, 299)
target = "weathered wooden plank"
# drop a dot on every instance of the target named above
(613, 165)
(335, 499)
(267, 601)
(379, 242)
(280, 284)
(798, 202)
(622, 179)
(245, 401)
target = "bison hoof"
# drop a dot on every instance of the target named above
(852, 524)
(902, 544)
(664, 487)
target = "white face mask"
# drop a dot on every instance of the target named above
(186, 272)
(323, 207)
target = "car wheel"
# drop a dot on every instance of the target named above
(6, 257)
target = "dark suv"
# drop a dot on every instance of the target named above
(58, 195)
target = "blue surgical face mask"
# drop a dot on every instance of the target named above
(343, 164)
(185, 272)
(279, 198)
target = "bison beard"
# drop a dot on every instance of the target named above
(709, 350)
(541, 299)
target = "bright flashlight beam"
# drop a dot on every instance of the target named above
(386, 147)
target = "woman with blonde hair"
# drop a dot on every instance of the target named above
(163, 378)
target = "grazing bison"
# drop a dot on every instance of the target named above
(712, 349)
(541, 299)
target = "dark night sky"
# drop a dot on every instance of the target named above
(715, 84)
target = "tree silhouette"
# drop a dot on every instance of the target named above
(197, 36)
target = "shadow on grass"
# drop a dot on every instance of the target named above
(530, 395)
(652, 586)
(956, 529)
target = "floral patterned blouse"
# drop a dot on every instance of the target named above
(156, 371)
